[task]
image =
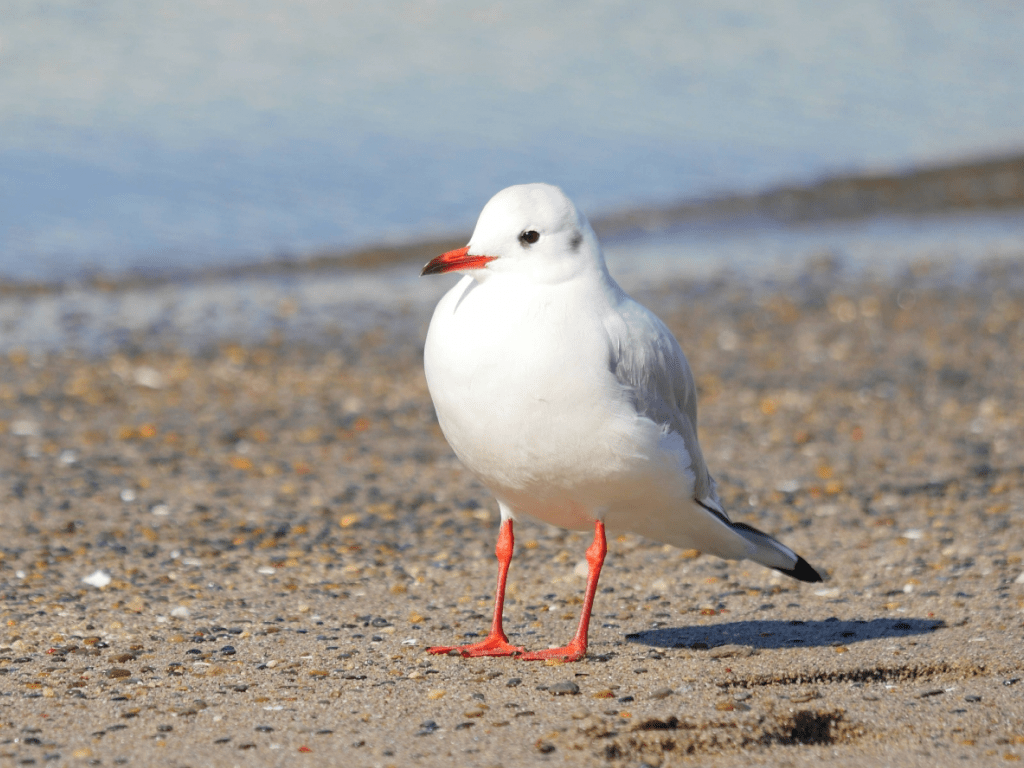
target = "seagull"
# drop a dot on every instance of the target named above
(571, 402)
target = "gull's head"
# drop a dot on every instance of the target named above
(528, 229)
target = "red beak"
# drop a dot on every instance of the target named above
(456, 260)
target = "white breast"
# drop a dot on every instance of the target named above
(520, 378)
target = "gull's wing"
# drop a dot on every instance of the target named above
(647, 360)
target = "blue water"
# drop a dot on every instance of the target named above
(137, 135)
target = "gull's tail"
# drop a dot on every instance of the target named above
(771, 553)
(707, 528)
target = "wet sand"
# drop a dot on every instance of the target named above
(285, 531)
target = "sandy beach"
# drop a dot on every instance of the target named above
(237, 554)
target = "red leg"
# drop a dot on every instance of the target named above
(577, 649)
(496, 643)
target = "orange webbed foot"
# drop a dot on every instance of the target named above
(492, 645)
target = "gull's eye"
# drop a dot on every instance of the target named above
(529, 237)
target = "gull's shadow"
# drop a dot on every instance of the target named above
(784, 634)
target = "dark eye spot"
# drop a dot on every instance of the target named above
(529, 236)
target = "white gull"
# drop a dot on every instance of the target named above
(571, 402)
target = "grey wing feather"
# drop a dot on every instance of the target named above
(647, 360)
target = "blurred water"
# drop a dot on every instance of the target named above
(878, 247)
(194, 133)
(336, 307)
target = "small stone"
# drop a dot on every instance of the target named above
(729, 651)
(118, 672)
(98, 579)
(264, 728)
(804, 696)
(512, 682)
(564, 688)
(148, 377)
(930, 692)
(662, 693)
(24, 428)
(427, 727)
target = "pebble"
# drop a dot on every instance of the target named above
(98, 579)
(564, 688)
(428, 727)
(729, 651)
(804, 696)
(662, 693)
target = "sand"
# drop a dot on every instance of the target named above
(237, 555)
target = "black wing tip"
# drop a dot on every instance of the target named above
(802, 571)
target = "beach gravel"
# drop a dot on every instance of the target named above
(238, 554)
